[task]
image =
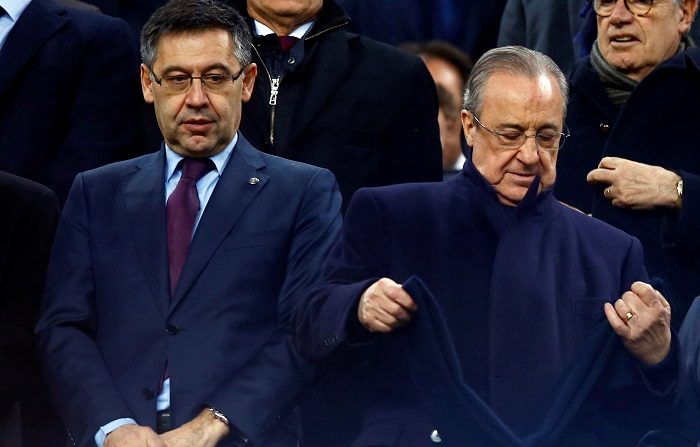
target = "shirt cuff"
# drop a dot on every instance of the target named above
(109, 428)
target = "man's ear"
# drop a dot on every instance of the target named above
(688, 9)
(146, 84)
(249, 82)
(469, 127)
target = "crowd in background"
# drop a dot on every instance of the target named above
(374, 92)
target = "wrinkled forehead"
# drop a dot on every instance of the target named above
(513, 92)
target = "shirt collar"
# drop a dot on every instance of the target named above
(14, 8)
(299, 32)
(220, 160)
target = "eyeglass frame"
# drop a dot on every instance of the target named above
(498, 134)
(201, 78)
(626, 2)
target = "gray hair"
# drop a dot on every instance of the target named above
(181, 16)
(515, 60)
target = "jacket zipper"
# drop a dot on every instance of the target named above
(276, 82)
(274, 91)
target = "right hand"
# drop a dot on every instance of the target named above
(132, 435)
(385, 306)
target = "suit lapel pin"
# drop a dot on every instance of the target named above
(253, 181)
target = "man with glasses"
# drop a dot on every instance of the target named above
(633, 158)
(173, 275)
(539, 310)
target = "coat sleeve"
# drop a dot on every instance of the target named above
(78, 379)
(254, 399)
(679, 232)
(326, 319)
(23, 257)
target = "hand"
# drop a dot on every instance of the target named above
(205, 430)
(635, 185)
(132, 435)
(385, 306)
(642, 318)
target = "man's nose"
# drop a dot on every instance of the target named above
(621, 13)
(196, 95)
(529, 153)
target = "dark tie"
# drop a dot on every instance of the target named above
(287, 42)
(181, 211)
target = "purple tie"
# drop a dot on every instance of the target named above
(181, 212)
(287, 42)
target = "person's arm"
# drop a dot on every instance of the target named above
(679, 230)
(24, 256)
(78, 379)
(252, 401)
(328, 319)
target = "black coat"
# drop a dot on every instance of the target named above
(656, 126)
(69, 94)
(364, 110)
(29, 217)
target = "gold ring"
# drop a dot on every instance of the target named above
(629, 315)
(606, 192)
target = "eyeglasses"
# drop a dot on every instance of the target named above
(213, 82)
(605, 8)
(512, 139)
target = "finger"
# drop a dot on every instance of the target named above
(403, 299)
(393, 314)
(619, 326)
(599, 175)
(610, 162)
(397, 294)
(648, 294)
(378, 326)
(628, 307)
(397, 311)
(607, 192)
(377, 310)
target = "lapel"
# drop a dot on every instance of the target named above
(36, 24)
(144, 196)
(323, 76)
(232, 195)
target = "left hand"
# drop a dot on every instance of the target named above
(203, 431)
(642, 318)
(635, 185)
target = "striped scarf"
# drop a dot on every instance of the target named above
(617, 85)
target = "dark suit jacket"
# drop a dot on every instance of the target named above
(363, 110)
(109, 325)
(69, 94)
(521, 291)
(29, 217)
(600, 129)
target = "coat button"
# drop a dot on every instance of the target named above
(435, 437)
(148, 393)
(171, 329)
(291, 61)
(604, 128)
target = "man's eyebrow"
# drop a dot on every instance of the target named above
(216, 66)
(521, 128)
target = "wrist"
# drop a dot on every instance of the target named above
(210, 427)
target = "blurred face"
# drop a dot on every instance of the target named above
(447, 76)
(197, 122)
(515, 103)
(284, 13)
(636, 45)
